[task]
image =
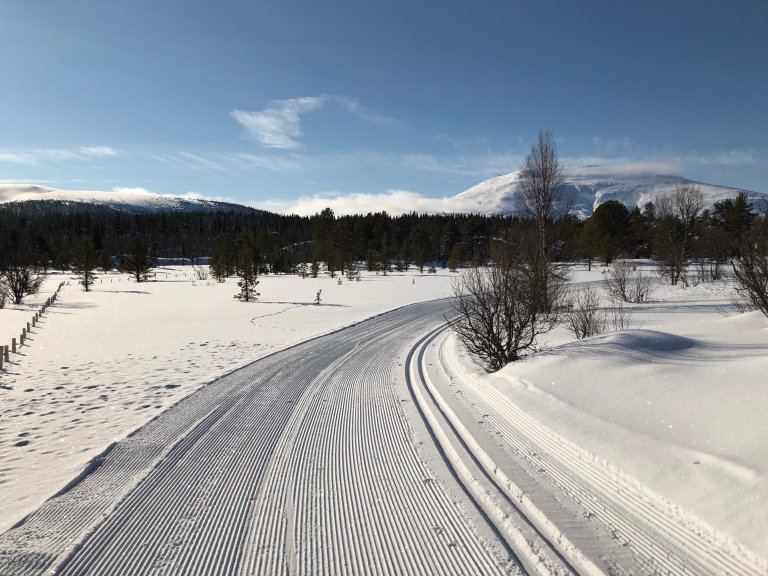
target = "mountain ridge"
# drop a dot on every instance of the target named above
(588, 187)
(131, 200)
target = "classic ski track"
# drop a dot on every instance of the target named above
(543, 551)
(350, 505)
(661, 541)
(293, 464)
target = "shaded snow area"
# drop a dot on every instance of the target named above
(676, 406)
(102, 363)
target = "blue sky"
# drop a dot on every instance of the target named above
(267, 101)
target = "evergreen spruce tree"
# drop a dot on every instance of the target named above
(137, 261)
(85, 262)
(735, 216)
(246, 270)
(455, 258)
(218, 262)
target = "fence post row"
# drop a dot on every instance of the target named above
(5, 351)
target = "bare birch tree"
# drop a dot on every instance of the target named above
(538, 199)
(540, 185)
(677, 215)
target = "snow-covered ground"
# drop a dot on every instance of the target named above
(102, 363)
(675, 405)
(678, 403)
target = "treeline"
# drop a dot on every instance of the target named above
(673, 230)
(50, 235)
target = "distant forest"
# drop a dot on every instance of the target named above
(48, 233)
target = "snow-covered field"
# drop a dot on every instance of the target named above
(679, 405)
(102, 363)
(673, 409)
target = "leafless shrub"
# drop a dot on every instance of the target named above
(497, 313)
(739, 302)
(707, 270)
(621, 318)
(627, 284)
(584, 317)
(20, 280)
(200, 272)
(750, 271)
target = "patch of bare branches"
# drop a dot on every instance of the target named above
(584, 316)
(627, 284)
(750, 270)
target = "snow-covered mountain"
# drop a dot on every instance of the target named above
(124, 199)
(586, 188)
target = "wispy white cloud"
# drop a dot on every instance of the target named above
(226, 161)
(354, 107)
(622, 168)
(267, 162)
(36, 156)
(278, 125)
(623, 165)
(732, 157)
(106, 151)
(11, 157)
(195, 161)
(479, 166)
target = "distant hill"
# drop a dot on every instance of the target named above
(586, 188)
(37, 199)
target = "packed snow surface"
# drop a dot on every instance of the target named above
(662, 426)
(102, 363)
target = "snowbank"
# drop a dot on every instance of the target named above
(679, 405)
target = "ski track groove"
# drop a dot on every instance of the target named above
(335, 456)
(659, 539)
(538, 550)
(301, 463)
